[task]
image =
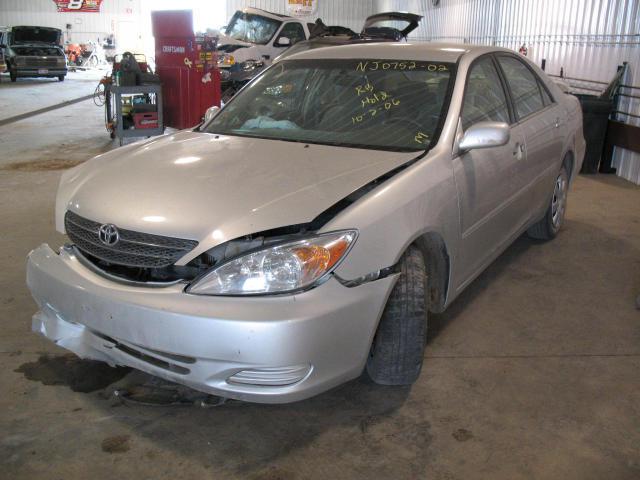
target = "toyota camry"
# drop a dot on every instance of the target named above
(304, 233)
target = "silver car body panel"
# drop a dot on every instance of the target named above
(214, 188)
(188, 185)
(431, 197)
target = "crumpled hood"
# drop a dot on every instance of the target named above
(227, 40)
(214, 188)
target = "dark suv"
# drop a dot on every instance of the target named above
(33, 52)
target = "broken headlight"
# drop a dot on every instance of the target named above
(250, 65)
(225, 60)
(282, 268)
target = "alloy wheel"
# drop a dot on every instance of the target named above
(559, 201)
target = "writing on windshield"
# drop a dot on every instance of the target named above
(383, 104)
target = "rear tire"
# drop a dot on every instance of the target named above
(13, 76)
(397, 350)
(549, 226)
(61, 78)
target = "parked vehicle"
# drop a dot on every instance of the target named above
(306, 231)
(33, 52)
(3, 65)
(252, 39)
(381, 27)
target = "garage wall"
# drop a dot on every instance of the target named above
(348, 13)
(586, 38)
(120, 17)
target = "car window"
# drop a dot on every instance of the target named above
(545, 95)
(293, 31)
(484, 98)
(380, 104)
(527, 98)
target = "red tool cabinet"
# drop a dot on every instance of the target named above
(187, 66)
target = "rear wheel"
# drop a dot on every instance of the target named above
(397, 350)
(61, 78)
(549, 226)
(13, 76)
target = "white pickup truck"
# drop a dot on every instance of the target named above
(253, 38)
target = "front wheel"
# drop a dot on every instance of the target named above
(549, 226)
(13, 76)
(397, 350)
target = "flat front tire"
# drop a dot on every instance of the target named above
(397, 350)
(549, 226)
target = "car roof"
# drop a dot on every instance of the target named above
(428, 51)
(265, 13)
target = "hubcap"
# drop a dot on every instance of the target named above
(559, 201)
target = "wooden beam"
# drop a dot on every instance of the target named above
(619, 135)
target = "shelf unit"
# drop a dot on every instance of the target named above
(118, 92)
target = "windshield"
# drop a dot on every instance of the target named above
(251, 28)
(381, 104)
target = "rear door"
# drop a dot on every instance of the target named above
(489, 181)
(541, 121)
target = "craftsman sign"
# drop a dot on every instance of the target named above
(172, 49)
(78, 5)
(302, 8)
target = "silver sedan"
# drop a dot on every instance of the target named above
(303, 234)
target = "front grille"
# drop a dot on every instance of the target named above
(134, 249)
(40, 62)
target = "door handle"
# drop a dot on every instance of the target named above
(557, 123)
(519, 150)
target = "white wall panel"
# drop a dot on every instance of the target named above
(114, 15)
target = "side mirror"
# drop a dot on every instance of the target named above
(282, 42)
(210, 113)
(484, 135)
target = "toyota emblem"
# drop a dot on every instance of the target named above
(108, 234)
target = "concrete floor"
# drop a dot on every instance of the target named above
(534, 373)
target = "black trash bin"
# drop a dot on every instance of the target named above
(595, 115)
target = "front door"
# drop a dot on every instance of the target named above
(489, 181)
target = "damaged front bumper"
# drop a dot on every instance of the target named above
(272, 349)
